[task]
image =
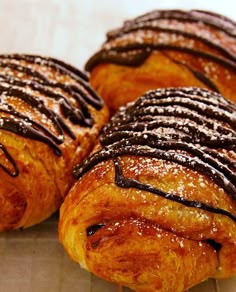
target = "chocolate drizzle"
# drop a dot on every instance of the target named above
(214, 19)
(135, 54)
(199, 75)
(174, 32)
(194, 33)
(208, 18)
(199, 133)
(12, 162)
(37, 82)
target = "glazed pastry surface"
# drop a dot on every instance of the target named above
(166, 48)
(154, 206)
(49, 120)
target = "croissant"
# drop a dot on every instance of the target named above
(49, 121)
(154, 206)
(166, 48)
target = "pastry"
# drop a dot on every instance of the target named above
(49, 121)
(166, 48)
(154, 206)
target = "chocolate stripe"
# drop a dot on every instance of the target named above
(21, 78)
(139, 129)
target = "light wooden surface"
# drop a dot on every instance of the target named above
(71, 30)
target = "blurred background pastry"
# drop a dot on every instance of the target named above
(166, 48)
(49, 121)
(154, 205)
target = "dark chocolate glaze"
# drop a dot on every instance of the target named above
(180, 33)
(58, 65)
(22, 78)
(199, 133)
(11, 161)
(152, 20)
(199, 75)
(94, 228)
(209, 18)
(134, 53)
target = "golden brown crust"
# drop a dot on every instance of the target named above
(40, 144)
(149, 210)
(165, 49)
(121, 84)
(141, 229)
